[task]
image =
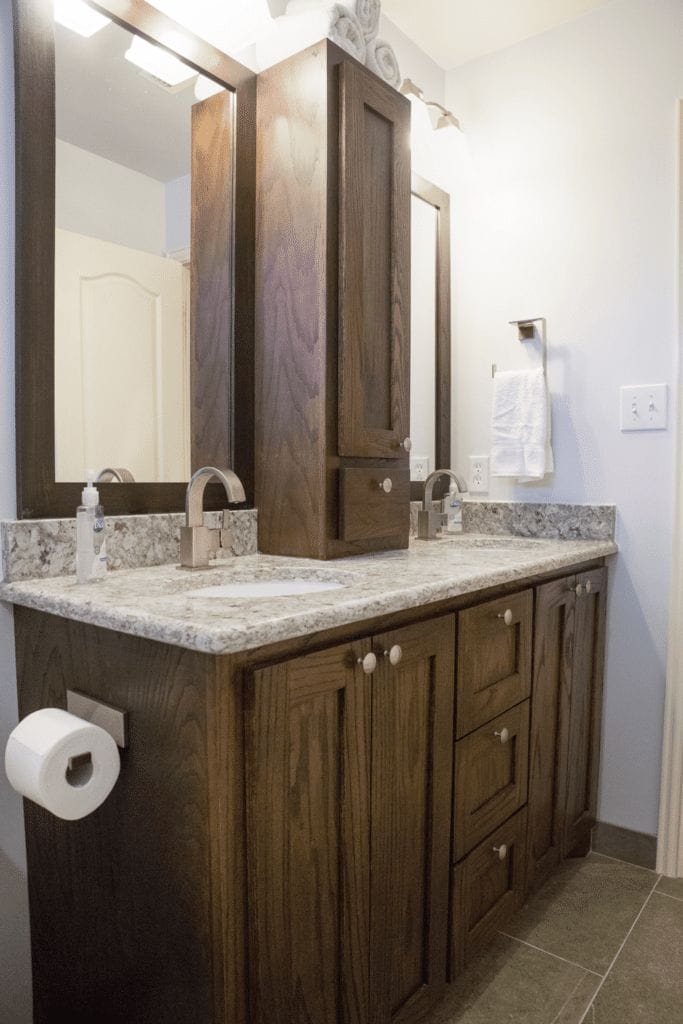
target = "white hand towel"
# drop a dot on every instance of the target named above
(520, 425)
(292, 33)
(381, 59)
(367, 12)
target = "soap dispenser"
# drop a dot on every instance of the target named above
(91, 546)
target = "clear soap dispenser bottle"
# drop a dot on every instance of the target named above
(91, 546)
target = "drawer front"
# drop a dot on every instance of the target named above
(491, 773)
(494, 659)
(488, 889)
(373, 503)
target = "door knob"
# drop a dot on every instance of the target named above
(501, 850)
(406, 444)
(503, 735)
(506, 616)
(394, 654)
(368, 663)
(386, 485)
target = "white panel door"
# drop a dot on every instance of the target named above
(122, 361)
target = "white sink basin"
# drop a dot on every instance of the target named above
(266, 588)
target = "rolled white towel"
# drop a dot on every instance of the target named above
(292, 33)
(367, 12)
(380, 58)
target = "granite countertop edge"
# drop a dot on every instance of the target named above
(169, 618)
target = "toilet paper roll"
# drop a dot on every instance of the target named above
(61, 762)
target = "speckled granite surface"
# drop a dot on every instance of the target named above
(154, 602)
(43, 548)
(536, 519)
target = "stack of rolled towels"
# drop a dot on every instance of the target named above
(351, 24)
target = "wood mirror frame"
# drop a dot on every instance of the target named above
(226, 434)
(441, 202)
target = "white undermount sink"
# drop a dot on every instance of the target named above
(267, 588)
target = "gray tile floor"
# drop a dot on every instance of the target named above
(600, 943)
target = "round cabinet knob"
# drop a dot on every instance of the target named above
(503, 735)
(394, 655)
(501, 850)
(386, 485)
(368, 663)
(579, 589)
(506, 616)
(406, 444)
(589, 586)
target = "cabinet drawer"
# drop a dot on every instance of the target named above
(488, 889)
(491, 772)
(366, 510)
(494, 659)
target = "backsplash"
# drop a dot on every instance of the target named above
(539, 519)
(40, 548)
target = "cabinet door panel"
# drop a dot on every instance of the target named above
(412, 744)
(374, 267)
(307, 735)
(553, 645)
(586, 711)
(494, 659)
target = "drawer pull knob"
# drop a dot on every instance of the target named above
(406, 444)
(579, 589)
(386, 485)
(368, 663)
(589, 586)
(501, 850)
(506, 616)
(394, 654)
(503, 735)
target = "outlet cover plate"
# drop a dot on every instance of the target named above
(478, 481)
(643, 407)
(419, 467)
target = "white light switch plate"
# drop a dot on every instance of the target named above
(478, 478)
(419, 467)
(643, 407)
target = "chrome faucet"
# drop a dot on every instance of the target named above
(109, 475)
(197, 542)
(430, 524)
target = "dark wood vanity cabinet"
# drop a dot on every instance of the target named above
(564, 751)
(332, 308)
(348, 824)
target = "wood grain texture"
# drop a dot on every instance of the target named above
(412, 756)
(585, 722)
(487, 891)
(38, 495)
(549, 737)
(494, 659)
(124, 902)
(441, 202)
(374, 268)
(308, 764)
(366, 511)
(212, 398)
(490, 777)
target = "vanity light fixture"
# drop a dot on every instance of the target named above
(79, 17)
(438, 115)
(205, 87)
(159, 64)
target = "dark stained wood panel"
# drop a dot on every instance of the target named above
(212, 281)
(586, 711)
(491, 774)
(494, 659)
(412, 744)
(308, 764)
(549, 737)
(366, 510)
(374, 268)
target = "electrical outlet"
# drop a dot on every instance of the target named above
(419, 467)
(478, 482)
(643, 407)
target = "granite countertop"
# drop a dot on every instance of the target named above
(154, 602)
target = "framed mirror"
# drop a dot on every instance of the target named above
(430, 359)
(135, 205)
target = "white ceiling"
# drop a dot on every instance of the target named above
(455, 31)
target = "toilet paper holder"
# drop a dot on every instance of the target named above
(112, 720)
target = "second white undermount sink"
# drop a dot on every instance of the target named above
(266, 588)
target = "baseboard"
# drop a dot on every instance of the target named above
(633, 847)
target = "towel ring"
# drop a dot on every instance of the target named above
(528, 331)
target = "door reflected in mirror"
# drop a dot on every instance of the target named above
(128, 191)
